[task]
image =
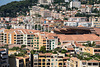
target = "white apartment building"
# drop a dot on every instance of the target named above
(76, 4)
(52, 43)
(73, 23)
(77, 19)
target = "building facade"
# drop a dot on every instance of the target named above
(4, 58)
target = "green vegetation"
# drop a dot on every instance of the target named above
(59, 43)
(87, 56)
(23, 46)
(95, 11)
(15, 8)
(19, 54)
(89, 44)
(15, 48)
(60, 50)
(43, 49)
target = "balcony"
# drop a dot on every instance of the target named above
(4, 56)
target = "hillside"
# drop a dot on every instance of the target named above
(16, 8)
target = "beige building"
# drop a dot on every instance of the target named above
(75, 62)
(95, 21)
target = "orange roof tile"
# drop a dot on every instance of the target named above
(93, 61)
(2, 49)
(70, 48)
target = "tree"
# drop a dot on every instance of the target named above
(32, 51)
(22, 46)
(15, 8)
(43, 49)
(95, 10)
(63, 51)
(89, 44)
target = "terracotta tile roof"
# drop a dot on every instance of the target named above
(97, 48)
(48, 54)
(41, 54)
(80, 26)
(19, 58)
(96, 52)
(2, 49)
(21, 31)
(74, 58)
(50, 37)
(83, 60)
(84, 37)
(77, 44)
(66, 57)
(91, 61)
(97, 43)
(70, 48)
(97, 30)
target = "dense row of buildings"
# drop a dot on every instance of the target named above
(52, 36)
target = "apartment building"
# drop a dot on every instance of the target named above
(19, 61)
(76, 24)
(4, 58)
(75, 62)
(78, 19)
(52, 41)
(76, 4)
(45, 39)
(86, 8)
(33, 38)
(90, 50)
(1, 35)
(49, 60)
(19, 36)
(39, 41)
(95, 21)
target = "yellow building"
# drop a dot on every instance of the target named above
(75, 62)
(90, 50)
(49, 60)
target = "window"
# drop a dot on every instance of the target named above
(89, 63)
(48, 63)
(95, 63)
(51, 63)
(84, 63)
(39, 63)
(43, 63)
(43, 60)
(60, 63)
